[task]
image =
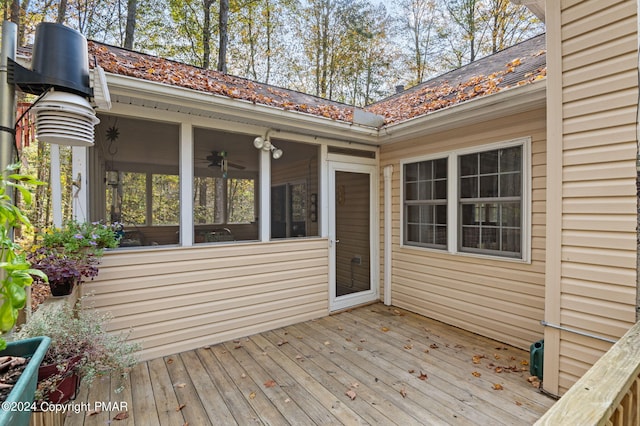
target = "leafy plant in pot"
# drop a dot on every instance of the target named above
(18, 377)
(70, 254)
(81, 349)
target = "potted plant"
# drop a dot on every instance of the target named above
(80, 349)
(70, 254)
(15, 275)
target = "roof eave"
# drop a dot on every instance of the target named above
(507, 102)
(536, 7)
(179, 99)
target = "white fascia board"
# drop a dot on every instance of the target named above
(507, 102)
(240, 110)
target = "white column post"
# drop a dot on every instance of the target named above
(265, 195)
(56, 185)
(388, 214)
(186, 184)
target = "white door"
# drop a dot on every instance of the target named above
(353, 228)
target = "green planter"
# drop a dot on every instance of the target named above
(14, 410)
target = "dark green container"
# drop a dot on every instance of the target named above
(536, 361)
(13, 411)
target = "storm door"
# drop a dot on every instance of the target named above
(352, 235)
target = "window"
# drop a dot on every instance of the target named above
(481, 211)
(426, 203)
(294, 191)
(490, 201)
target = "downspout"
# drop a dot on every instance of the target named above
(7, 95)
(388, 174)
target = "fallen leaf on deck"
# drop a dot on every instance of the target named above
(340, 328)
(518, 403)
(287, 400)
(252, 395)
(476, 359)
(524, 362)
(433, 346)
(243, 376)
(327, 343)
(476, 374)
(385, 329)
(496, 356)
(269, 384)
(532, 379)
(363, 340)
(422, 376)
(403, 392)
(206, 347)
(93, 413)
(237, 346)
(298, 356)
(179, 385)
(498, 370)
(497, 386)
(351, 394)
(282, 342)
(408, 347)
(180, 407)
(355, 385)
(170, 361)
(412, 371)
(397, 312)
(121, 416)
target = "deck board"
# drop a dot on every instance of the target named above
(300, 375)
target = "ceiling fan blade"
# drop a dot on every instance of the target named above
(237, 166)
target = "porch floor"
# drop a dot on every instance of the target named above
(370, 365)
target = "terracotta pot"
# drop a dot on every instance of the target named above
(67, 387)
(62, 288)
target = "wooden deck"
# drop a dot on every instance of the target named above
(371, 365)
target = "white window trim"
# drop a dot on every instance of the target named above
(452, 198)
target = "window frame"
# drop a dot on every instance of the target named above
(454, 219)
(431, 203)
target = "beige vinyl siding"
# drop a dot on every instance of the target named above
(598, 212)
(179, 299)
(499, 298)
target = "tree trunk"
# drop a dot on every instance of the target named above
(224, 35)
(206, 34)
(62, 12)
(129, 31)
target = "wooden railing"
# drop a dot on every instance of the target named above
(608, 394)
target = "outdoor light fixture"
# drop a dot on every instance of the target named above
(264, 143)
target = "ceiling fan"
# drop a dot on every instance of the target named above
(219, 159)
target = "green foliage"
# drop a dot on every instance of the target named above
(80, 239)
(79, 332)
(16, 272)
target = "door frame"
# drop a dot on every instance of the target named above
(373, 294)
